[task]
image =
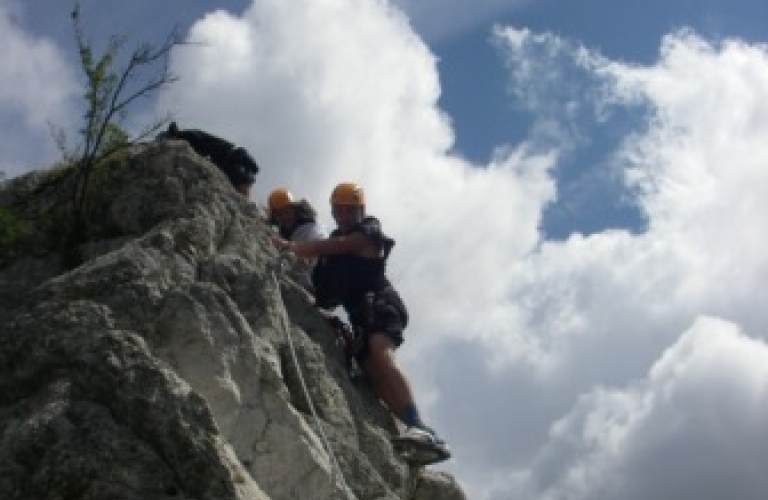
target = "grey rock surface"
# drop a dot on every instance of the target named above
(162, 366)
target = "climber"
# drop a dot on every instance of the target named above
(296, 220)
(239, 167)
(351, 272)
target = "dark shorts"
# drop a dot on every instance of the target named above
(386, 315)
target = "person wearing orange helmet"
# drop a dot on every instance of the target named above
(351, 272)
(296, 220)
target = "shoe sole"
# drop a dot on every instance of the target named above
(419, 452)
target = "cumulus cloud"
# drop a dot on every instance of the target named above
(314, 88)
(701, 171)
(38, 87)
(327, 94)
(596, 311)
(693, 428)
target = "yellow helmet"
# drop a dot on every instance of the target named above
(348, 193)
(279, 198)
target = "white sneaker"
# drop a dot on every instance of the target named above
(421, 445)
(420, 434)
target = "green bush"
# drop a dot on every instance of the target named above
(12, 234)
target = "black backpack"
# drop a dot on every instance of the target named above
(234, 161)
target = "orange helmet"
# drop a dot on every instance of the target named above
(279, 198)
(348, 193)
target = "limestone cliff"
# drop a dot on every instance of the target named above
(160, 366)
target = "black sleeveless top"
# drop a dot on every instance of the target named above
(344, 279)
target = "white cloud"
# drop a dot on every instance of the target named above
(599, 310)
(38, 87)
(357, 100)
(701, 170)
(316, 89)
(703, 193)
(694, 428)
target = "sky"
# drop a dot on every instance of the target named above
(576, 189)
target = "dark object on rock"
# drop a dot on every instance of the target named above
(235, 162)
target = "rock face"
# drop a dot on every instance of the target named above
(162, 366)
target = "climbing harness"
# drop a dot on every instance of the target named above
(337, 477)
(350, 343)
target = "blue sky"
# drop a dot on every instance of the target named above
(576, 190)
(484, 115)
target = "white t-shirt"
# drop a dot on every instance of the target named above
(308, 231)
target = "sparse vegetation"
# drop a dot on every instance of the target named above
(113, 85)
(12, 232)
